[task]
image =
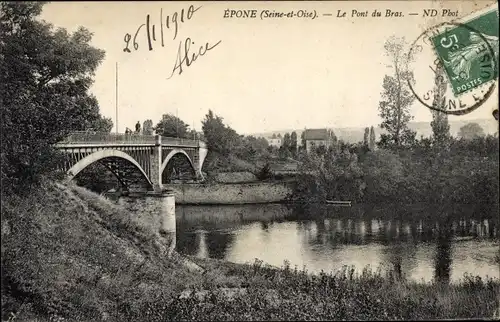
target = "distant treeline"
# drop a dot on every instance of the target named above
(465, 171)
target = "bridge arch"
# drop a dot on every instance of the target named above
(171, 154)
(102, 154)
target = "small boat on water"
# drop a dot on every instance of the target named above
(339, 203)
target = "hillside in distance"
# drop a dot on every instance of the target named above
(355, 134)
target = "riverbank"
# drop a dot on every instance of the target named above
(230, 193)
(69, 253)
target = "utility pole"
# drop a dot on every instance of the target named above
(176, 122)
(116, 98)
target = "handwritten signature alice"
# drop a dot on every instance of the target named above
(174, 21)
(184, 58)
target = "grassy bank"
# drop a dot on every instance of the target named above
(69, 253)
(290, 294)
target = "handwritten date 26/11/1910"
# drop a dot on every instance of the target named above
(188, 57)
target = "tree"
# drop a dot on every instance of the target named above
(365, 136)
(383, 171)
(193, 135)
(371, 145)
(147, 127)
(285, 148)
(303, 139)
(100, 124)
(293, 143)
(45, 76)
(332, 136)
(285, 145)
(470, 131)
(265, 172)
(320, 150)
(219, 137)
(394, 108)
(259, 145)
(172, 126)
(439, 124)
(250, 147)
(329, 176)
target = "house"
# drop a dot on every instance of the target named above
(318, 137)
(274, 142)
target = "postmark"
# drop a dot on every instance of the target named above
(455, 64)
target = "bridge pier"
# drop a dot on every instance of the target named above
(199, 159)
(156, 161)
(168, 226)
(158, 218)
(199, 175)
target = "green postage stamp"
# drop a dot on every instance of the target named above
(466, 51)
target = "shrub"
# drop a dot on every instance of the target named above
(265, 173)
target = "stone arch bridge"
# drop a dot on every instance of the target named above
(137, 161)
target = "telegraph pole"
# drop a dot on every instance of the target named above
(116, 98)
(176, 122)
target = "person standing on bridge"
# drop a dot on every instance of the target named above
(138, 127)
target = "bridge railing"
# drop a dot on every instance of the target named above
(103, 138)
(90, 137)
(184, 142)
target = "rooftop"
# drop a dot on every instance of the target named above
(316, 134)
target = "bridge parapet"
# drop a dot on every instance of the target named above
(181, 142)
(101, 138)
(107, 138)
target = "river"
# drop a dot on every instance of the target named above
(410, 239)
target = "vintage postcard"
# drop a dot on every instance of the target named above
(250, 160)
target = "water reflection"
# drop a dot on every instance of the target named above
(413, 244)
(205, 244)
(443, 257)
(189, 243)
(218, 244)
(201, 240)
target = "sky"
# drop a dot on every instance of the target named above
(264, 75)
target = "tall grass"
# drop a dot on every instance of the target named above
(285, 294)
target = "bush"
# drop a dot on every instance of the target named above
(265, 173)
